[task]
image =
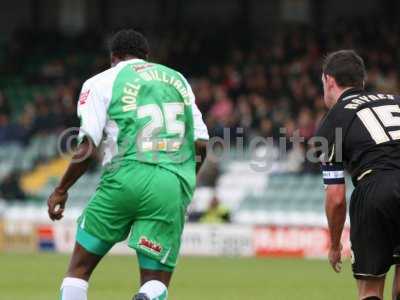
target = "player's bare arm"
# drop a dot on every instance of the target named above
(335, 208)
(78, 166)
(201, 153)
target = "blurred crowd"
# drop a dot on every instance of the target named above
(270, 86)
(44, 115)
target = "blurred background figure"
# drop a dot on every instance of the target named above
(216, 213)
(10, 188)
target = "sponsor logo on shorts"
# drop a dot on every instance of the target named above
(147, 244)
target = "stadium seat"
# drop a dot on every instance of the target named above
(286, 198)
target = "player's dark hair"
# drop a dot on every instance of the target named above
(347, 67)
(129, 42)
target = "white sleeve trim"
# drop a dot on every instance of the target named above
(200, 128)
(92, 112)
(332, 174)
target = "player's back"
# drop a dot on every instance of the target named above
(148, 112)
(152, 109)
(373, 139)
(369, 125)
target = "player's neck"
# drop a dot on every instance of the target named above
(129, 57)
(116, 60)
(340, 91)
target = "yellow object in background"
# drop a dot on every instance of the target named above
(216, 213)
(34, 181)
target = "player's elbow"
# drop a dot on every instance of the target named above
(201, 149)
(86, 151)
(201, 153)
(201, 145)
(337, 203)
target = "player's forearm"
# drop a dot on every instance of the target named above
(78, 166)
(335, 208)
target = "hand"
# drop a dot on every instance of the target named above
(56, 204)
(335, 258)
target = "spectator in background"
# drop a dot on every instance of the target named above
(4, 105)
(267, 130)
(216, 213)
(44, 120)
(4, 124)
(306, 124)
(18, 131)
(10, 188)
(204, 96)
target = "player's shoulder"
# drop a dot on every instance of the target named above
(372, 96)
(367, 99)
(165, 68)
(103, 78)
(379, 94)
(171, 70)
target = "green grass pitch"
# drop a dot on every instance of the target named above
(38, 277)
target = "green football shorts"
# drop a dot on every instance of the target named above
(143, 201)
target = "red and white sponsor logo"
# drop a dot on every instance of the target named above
(140, 68)
(83, 97)
(150, 245)
(296, 241)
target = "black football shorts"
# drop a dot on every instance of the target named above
(375, 224)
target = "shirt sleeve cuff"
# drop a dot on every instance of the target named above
(201, 135)
(96, 139)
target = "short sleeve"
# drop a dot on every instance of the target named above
(332, 168)
(92, 111)
(200, 128)
(331, 159)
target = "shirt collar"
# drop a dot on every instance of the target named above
(350, 94)
(129, 61)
